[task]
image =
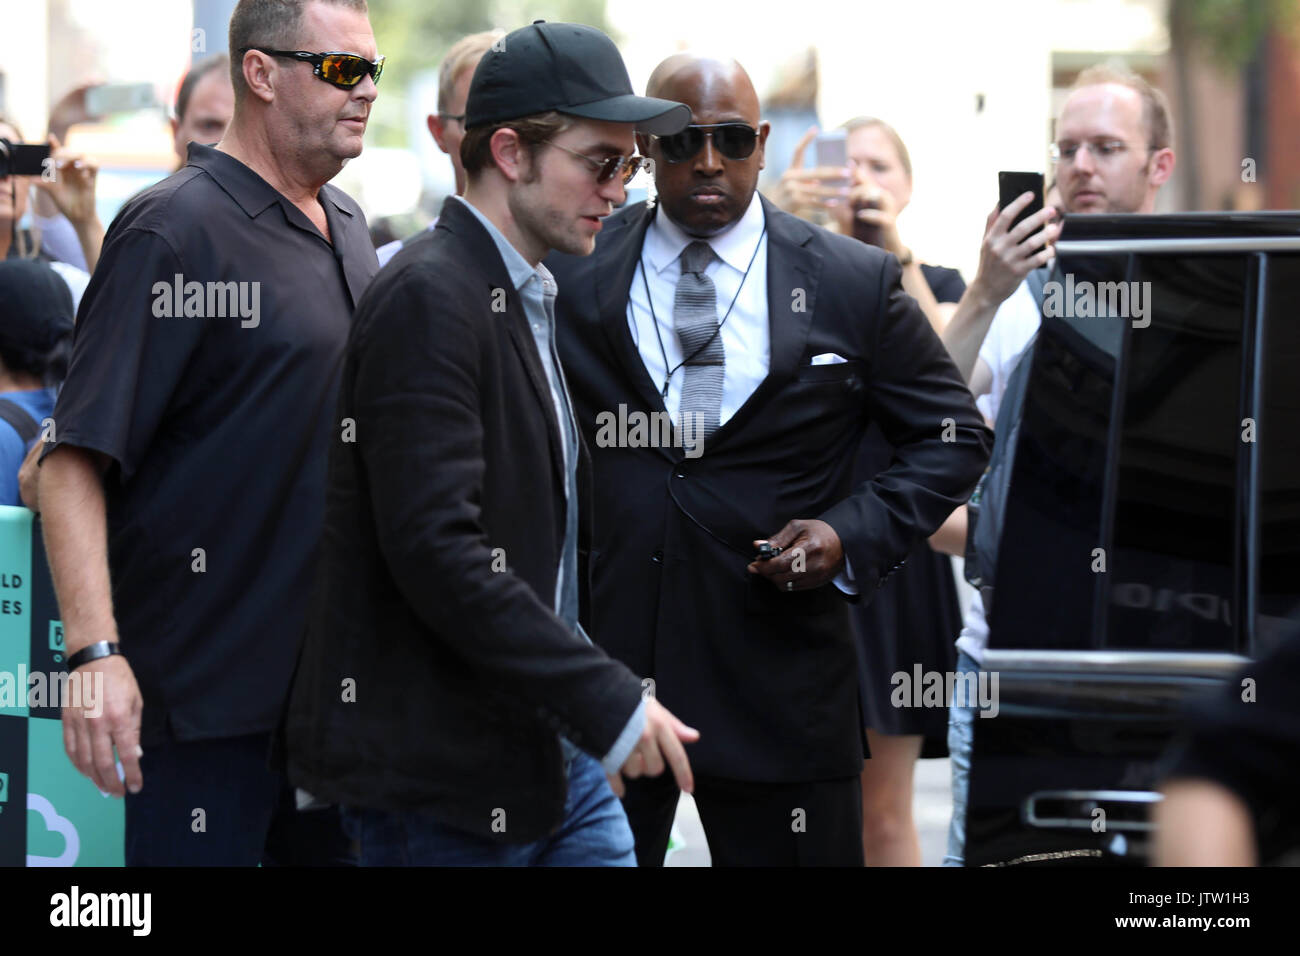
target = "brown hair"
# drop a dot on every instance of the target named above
(218, 61)
(463, 55)
(1155, 105)
(869, 122)
(476, 147)
(273, 24)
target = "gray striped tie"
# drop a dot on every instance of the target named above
(695, 318)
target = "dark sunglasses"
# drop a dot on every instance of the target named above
(625, 167)
(344, 70)
(732, 140)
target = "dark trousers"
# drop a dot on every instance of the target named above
(813, 823)
(218, 803)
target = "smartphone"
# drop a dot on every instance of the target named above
(1012, 185)
(119, 98)
(832, 149)
(20, 159)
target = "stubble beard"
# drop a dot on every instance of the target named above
(548, 225)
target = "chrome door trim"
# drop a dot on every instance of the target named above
(1180, 246)
(1143, 797)
(1127, 663)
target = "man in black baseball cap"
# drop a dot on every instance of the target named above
(570, 68)
(491, 730)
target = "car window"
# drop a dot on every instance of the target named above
(1172, 555)
(1278, 443)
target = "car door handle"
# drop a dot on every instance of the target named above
(1076, 809)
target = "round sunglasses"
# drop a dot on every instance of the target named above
(624, 167)
(344, 70)
(732, 140)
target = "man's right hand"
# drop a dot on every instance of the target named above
(1008, 255)
(89, 740)
(661, 743)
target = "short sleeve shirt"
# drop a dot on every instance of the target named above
(38, 403)
(205, 365)
(946, 284)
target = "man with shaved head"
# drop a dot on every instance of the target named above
(725, 360)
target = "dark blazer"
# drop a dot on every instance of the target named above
(460, 673)
(769, 678)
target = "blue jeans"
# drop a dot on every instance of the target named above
(961, 725)
(594, 832)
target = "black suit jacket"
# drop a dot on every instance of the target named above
(460, 674)
(769, 678)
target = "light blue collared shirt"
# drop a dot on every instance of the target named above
(537, 291)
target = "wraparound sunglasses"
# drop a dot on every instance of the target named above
(344, 70)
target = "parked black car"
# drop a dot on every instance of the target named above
(1151, 540)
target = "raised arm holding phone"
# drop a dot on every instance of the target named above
(861, 183)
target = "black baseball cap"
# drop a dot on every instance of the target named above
(570, 68)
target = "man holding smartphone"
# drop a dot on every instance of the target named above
(1113, 154)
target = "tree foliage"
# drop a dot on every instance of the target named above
(1230, 31)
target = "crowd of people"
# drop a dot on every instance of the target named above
(366, 574)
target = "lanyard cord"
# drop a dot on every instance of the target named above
(654, 319)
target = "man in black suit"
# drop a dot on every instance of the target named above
(446, 695)
(772, 344)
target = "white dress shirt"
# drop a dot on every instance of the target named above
(746, 336)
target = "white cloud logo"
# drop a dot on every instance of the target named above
(55, 824)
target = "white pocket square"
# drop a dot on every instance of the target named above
(828, 358)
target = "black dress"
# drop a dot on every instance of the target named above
(915, 618)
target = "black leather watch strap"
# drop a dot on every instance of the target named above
(94, 652)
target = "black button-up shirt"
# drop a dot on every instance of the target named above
(205, 365)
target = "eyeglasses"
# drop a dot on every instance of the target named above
(732, 140)
(1102, 150)
(625, 167)
(344, 70)
(458, 117)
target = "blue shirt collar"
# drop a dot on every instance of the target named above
(517, 266)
